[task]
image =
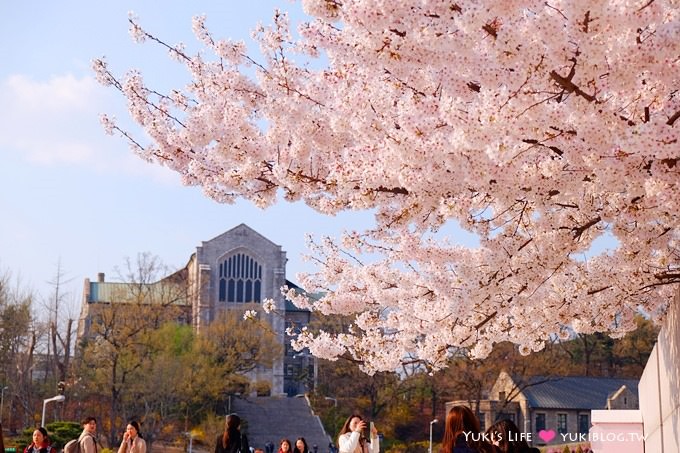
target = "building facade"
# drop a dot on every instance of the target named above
(560, 405)
(235, 268)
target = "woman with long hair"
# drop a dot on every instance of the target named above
(301, 446)
(285, 446)
(231, 440)
(506, 436)
(462, 433)
(41, 442)
(132, 439)
(352, 440)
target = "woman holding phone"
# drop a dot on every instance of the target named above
(351, 439)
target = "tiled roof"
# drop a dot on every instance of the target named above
(576, 392)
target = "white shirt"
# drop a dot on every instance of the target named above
(349, 443)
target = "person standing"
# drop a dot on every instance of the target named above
(301, 446)
(132, 440)
(506, 436)
(41, 442)
(285, 446)
(87, 440)
(231, 440)
(462, 433)
(350, 439)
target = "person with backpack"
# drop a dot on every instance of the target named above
(87, 443)
(132, 439)
(41, 442)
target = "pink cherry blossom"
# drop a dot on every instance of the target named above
(538, 126)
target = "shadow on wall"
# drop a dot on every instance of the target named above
(659, 387)
(669, 376)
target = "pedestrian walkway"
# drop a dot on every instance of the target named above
(269, 419)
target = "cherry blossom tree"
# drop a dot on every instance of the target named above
(538, 126)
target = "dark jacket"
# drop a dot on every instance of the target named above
(239, 446)
(461, 445)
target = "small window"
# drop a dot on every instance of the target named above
(583, 424)
(562, 423)
(540, 422)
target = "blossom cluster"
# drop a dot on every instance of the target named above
(538, 126)
(250, 315)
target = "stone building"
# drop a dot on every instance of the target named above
(237, 267)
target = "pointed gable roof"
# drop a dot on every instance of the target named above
(242, 229)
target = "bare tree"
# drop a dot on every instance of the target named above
(17, 348)
(61, 328)
(117, 345)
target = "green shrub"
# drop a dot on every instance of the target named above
(62, 432)
(24, 439)
(59, 433)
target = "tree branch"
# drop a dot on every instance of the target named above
(570, 87)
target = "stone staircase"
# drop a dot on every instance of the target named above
(270, 419)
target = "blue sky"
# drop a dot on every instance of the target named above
(70, 193)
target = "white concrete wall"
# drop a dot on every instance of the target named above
(659, 387)
(616, 431)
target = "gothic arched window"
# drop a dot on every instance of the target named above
(240, 279)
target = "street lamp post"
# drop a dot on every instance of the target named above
(58, 399)
(190, 435)
(431, 423)
(2, 401)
